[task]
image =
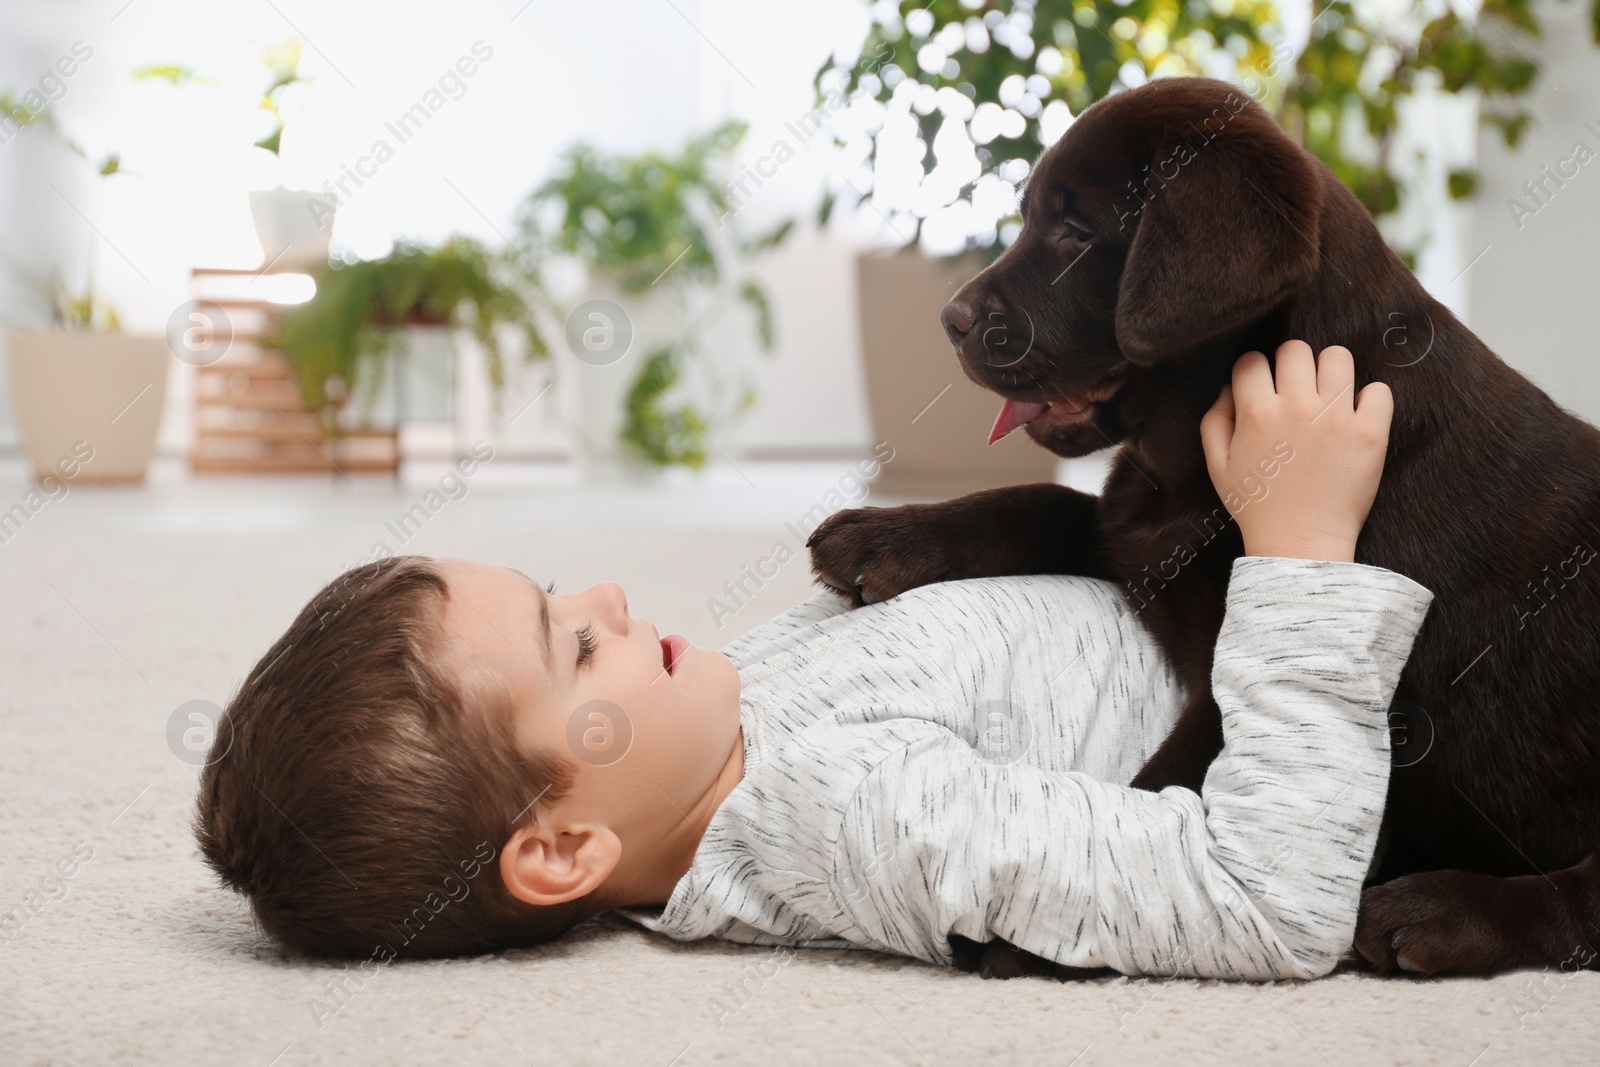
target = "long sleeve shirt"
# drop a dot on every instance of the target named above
(953, 760)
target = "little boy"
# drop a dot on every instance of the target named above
(440, 758)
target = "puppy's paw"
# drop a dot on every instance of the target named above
(1457, 922)
(872, 554)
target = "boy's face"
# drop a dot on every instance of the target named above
(648, 743)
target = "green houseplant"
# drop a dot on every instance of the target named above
(294, 226)
(661, 243)
(1037, 62)
(71, 309)
(343, 339)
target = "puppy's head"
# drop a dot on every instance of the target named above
(1167, 216)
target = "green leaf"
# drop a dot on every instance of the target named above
(270, 141)
(174, 74)
(1463, 183)
(664, 437)
(753, 295)
(775, 238)
(1512, 125)
(825, 209)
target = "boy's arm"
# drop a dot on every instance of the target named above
(1258, 876)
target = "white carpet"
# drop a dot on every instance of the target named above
(108, 626)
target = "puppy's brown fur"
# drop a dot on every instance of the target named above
(1175, 227)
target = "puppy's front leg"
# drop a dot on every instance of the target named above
(1462, 922)
(1186, 754)
(872, 554)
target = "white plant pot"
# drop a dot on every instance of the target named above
(79, 393)
(597, 362)
(294, 226)
(412, 379)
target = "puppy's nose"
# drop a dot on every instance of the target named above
(957, 318)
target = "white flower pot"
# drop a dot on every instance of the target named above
(607, 340)
(79, 393)
(294, 226)
(411, 379)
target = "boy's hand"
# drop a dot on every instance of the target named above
(1297, 462)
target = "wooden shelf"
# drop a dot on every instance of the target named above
(249, 414)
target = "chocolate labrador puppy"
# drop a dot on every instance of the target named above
(1173, 228)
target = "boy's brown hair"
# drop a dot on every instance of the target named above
(355, 800)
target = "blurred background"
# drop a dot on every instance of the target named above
(621, 290)
(460, 186)
(277, 264)
(283, 265)
(664, 260)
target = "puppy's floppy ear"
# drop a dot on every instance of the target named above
(1227, 231)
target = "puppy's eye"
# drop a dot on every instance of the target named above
(1077, 230)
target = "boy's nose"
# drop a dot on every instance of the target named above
(616, 601)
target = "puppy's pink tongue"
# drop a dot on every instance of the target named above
(1014, 413)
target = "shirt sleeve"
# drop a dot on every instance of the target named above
(1258, 876)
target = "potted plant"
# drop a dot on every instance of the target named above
(87, 396)
(367, 313)
(294, 226)
(661, 246)
(992, 83)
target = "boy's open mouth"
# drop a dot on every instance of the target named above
(672, 649)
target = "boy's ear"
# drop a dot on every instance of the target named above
(550, 865)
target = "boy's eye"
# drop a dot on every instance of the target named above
(586, 645)
(586, 641)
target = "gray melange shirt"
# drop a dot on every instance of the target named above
(952, 761)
